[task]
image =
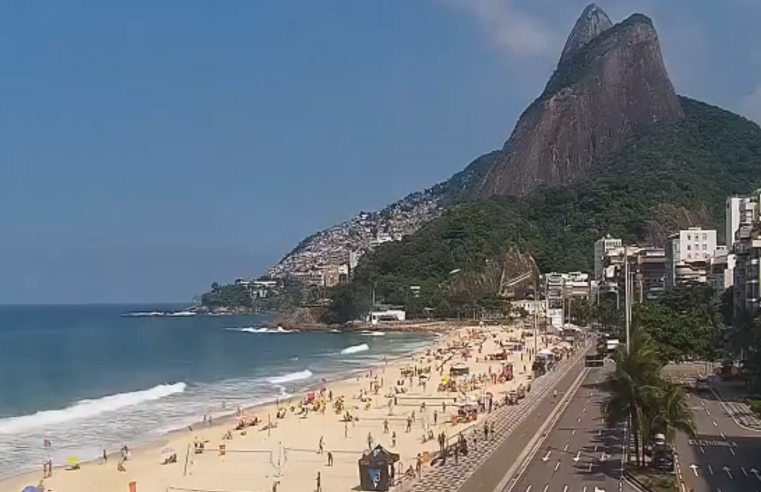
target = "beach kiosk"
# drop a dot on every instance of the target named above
(459, 369)
(376, 469)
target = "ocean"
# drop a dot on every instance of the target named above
(86, 378)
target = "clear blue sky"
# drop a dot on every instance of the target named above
(148, 148)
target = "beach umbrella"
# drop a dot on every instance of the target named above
(167, 451)
(30, 488)
(72, 460)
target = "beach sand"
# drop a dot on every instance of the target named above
(288, 454)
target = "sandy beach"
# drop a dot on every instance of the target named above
(288, 455)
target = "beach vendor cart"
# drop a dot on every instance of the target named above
(376, 469)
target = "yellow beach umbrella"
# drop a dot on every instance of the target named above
(72, 459)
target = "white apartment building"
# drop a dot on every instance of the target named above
(688, 256)
(741, 210)
(722, 271)
(602, 246)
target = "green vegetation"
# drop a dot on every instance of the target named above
(640, 397)
(671, 177)
(241, 296)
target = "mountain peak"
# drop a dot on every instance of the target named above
(610, 85)
(592, 21)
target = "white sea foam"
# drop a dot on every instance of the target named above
(85, 409)
(290, 377)
(373, 334)
(355, 349)
(279, 329)
(144, 314)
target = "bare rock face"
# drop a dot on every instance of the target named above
(604, 90)
(593, 21)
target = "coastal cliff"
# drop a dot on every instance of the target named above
(610, 84)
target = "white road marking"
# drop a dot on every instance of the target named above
(573, 432)
(732, 451)
(565, 489)
(546, 487)
(708, 412)
(528, 489)
(722, 435)
(710, 469)
(714, 423)
(599, 432)
(557, 465)
(596, 447)
(547, 456)
(702, 451)
(743, 470)
(578, 419)
(565, 448)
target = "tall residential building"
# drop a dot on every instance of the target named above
(688, 255)
(647, 265)
(602, 246)
(722, 272)
(741, 210)
(747, 268)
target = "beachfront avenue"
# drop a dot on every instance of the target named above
(434, 420)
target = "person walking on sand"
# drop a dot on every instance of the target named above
(319, 483)
(491, 429)
(330, 458)
(105, 456)
(435, 417)
(393, 439)
(346, 429)
(385, 426)
(369, 440)
(320, 447)
(409, 425)
(486, 431)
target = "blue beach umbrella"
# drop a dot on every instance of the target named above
(29, 488)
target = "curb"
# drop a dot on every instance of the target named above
(521, 464)
(730, 412)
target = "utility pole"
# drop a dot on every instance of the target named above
(627, 299)
(536, 311)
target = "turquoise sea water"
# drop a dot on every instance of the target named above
(89, 377)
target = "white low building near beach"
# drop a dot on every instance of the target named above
(376, 317)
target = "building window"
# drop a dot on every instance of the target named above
(705, 237)
(689, 256)
(705, 247)
(689, 238)
(688, 247)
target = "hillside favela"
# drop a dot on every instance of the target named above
(577, 310)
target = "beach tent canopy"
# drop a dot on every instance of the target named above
(375, 468)
(544, 352)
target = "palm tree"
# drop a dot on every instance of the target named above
(669, 412)
(633, 386)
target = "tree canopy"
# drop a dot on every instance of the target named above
(669, 177)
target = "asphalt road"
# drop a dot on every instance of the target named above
(722, 456)
(578, 453)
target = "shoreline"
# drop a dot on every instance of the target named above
(229, 416)
(298, 436)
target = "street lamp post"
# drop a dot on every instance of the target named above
(627, 298)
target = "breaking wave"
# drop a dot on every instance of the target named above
(279, 329)
(290, 377)
(355, 349)
(88, 408)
